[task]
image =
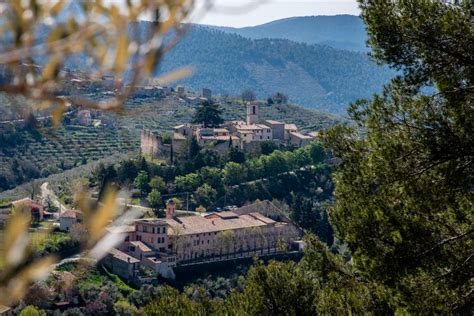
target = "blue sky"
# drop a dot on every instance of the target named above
(239, 13)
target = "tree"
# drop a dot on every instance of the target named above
(212, 177)
(155, 199)
(248, 95)
(280, 98)
(30, 310)
(233, 173)
(123, 307)
(141, 182)
(267, 147)
(126, 171)
(317, 152)
(188, 183)
(404, 188)
(208, 114)
(157, 183)
(236, 155)
(194, 148)
(205, 195)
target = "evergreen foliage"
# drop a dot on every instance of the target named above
(404, 198)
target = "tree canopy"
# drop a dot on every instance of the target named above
(404, 198)
(208, 114)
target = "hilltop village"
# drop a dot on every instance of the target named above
(244, 135)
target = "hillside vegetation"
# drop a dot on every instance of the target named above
(314, 76)
(338, 31)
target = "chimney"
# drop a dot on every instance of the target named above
(170, 209)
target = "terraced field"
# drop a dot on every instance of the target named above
(164, 114)
(53, 150)
(66, 147)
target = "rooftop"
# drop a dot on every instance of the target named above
(68, 214)
(121, 229)
(140, 245)
(273, 122)
(291, 126)
(217, 137)
(122, 256)
(216, 222)
(300, 136)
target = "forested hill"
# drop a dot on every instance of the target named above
(338, 31)
(314, 76)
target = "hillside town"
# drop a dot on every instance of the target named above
(244, 135)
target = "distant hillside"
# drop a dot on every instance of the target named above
(314, 76)
(338, 31)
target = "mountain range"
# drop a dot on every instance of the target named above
(293, 56)
(313, 75)
(338, 31)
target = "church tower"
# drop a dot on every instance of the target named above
(252, 113)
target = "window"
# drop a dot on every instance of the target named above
(153, 230)
(164, 230)
(253, 110)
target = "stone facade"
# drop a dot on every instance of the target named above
(161, 244)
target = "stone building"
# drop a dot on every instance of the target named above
(161, 244)
(246, 135)
(69, 218)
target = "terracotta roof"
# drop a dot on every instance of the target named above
(216, 137)
(221, 130)
(249, 127)
(140, 245)
(273, 122)
(121, 229)
(68, 214)
(122, 256)
(197, 224)
(300, 136)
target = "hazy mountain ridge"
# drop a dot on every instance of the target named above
(314, 76)
(338, 31)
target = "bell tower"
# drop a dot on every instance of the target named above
(170, 209)
(252, 113)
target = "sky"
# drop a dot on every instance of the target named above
(240, 13)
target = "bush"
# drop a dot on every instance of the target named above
(30, 310)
